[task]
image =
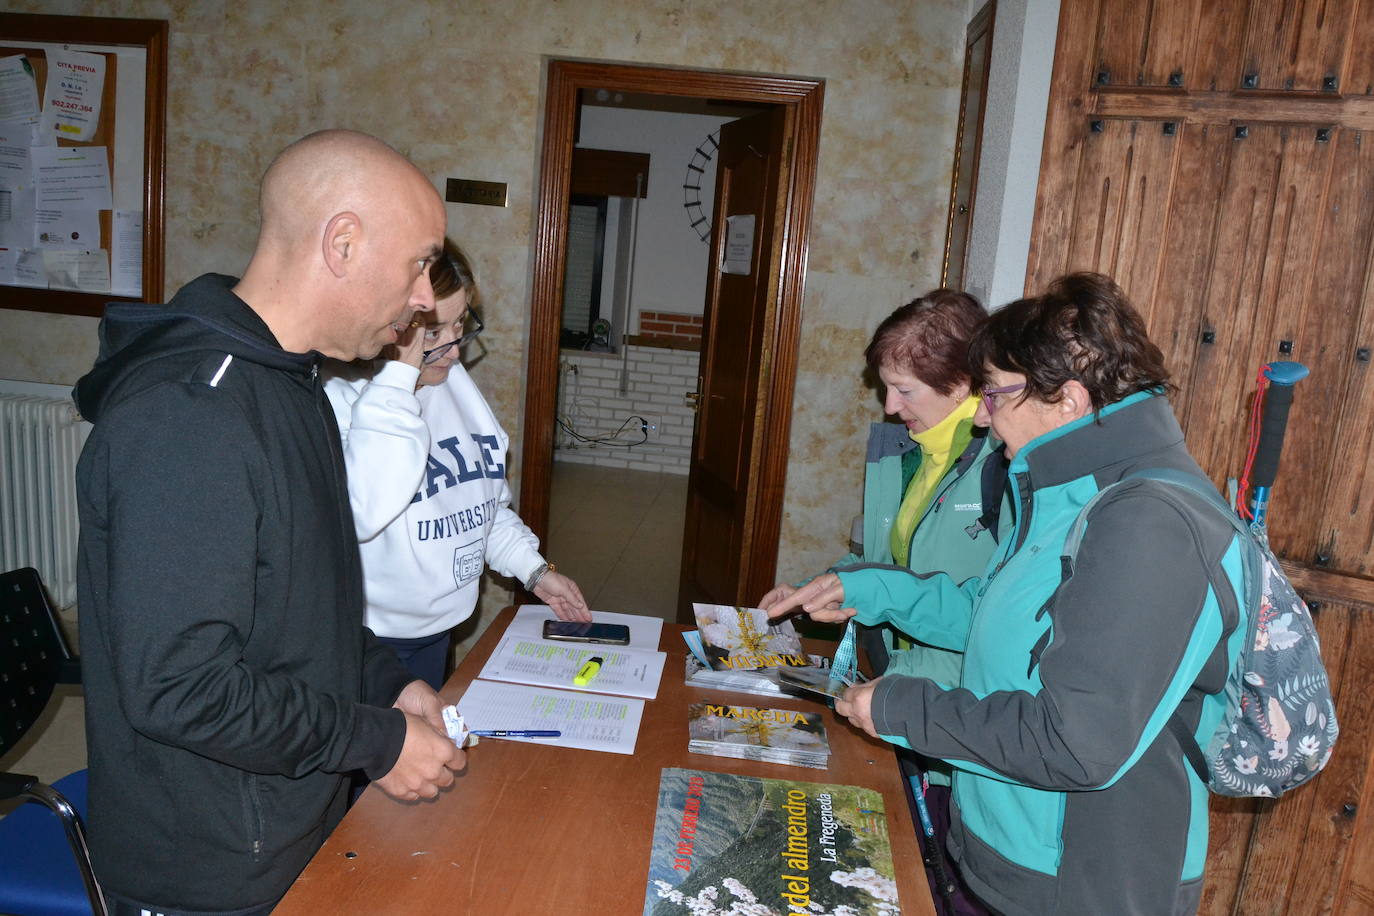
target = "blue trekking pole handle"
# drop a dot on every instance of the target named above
(1283, 377)
(922, 811)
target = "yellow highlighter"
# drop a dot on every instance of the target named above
(589, 670)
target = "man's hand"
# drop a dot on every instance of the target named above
(857, 706)
(562, 596)
(821, 599)
(779, 592)
(427, 763)
(418, 698)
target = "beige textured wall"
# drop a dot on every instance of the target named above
(458, 86)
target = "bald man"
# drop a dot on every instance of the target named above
(231, 687)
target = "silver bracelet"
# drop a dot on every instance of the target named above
(539, 572)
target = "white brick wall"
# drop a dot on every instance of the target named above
(589, 399)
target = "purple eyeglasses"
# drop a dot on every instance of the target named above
(990, 395)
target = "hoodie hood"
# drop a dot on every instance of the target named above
(203, 317)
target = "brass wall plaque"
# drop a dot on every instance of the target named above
(467, 191)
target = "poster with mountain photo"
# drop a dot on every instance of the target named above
(726, 843)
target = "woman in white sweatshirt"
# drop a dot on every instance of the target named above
(426, 461)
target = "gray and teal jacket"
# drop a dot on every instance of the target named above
(1070, 796)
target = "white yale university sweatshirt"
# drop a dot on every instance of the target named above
(427, 483)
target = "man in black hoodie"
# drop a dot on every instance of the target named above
(230, 683)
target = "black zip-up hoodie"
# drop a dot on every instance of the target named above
(230, 684)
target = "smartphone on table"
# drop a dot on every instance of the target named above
(811, 683)
(611, 634)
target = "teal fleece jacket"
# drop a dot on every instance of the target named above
(1070, 796)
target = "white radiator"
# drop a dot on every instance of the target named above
(40, 440)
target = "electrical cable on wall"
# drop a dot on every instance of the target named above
(609, 438)
(570, 438)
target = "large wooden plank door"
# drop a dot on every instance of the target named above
(1218, 161)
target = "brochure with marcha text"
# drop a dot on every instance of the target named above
(773, 735)
(736, 638)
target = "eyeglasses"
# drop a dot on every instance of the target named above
(990, 395)
(472, 326)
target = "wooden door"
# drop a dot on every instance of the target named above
(1216, 159)
(800, 101)
(722, 491)
(968, 144)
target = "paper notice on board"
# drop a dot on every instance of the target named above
(78, 230)
(88, 271)
(126, 254)
(15, 163)
(22, 267)
(16, 217)
(70, 177)
(739, 244)
(71, 107)
(18, 89)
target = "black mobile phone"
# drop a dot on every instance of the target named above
(612, 634)
(811, 683)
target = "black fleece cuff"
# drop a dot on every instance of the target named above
(378, 736)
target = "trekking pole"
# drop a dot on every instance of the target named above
(1275, 392)
(934, 856)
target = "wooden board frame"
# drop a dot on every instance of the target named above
(151, 35)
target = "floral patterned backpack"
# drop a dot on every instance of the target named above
(1279, 727)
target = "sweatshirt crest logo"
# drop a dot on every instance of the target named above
(467, 562)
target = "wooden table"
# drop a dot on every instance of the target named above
(538, 829)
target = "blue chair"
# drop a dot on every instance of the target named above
(45, 867)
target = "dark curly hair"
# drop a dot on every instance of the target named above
(1081, 328)
(928, 337)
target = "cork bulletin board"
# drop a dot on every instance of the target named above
(130, 129)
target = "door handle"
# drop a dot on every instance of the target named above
(693, 398)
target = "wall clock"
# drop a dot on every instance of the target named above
(696, 198)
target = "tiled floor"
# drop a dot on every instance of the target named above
(617, 533)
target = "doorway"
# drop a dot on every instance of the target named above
(781, 272)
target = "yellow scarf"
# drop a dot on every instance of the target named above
(938, 454)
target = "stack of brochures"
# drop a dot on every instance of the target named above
(739, 648)
(760, 682)
(748, 732)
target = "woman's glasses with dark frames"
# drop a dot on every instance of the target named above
(472, 326)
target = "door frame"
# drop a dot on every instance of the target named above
(802, 100)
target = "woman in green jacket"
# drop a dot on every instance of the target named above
(1071, 796)
(933, 483)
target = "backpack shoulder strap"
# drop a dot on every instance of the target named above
(1251, 585)
(1199, 486)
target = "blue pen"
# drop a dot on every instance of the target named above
(518, 733)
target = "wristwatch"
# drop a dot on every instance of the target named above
(539, 572)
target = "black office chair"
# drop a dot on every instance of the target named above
(34, 659)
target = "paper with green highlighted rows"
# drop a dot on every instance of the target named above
(726, 844)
